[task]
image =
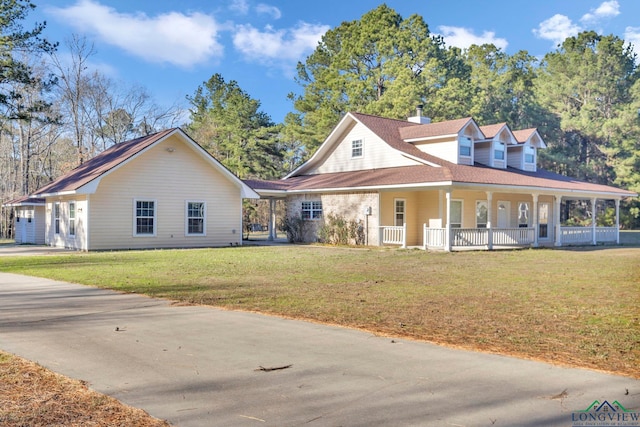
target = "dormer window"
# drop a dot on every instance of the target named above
(529, 155)
(498, 152)
(465, 146)
(356, 148)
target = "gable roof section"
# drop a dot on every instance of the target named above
(434, 130)
(88, 174)
(433, 171)
(527, 135)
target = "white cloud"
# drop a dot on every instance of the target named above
(174, 38)
(632, 36)
(239, 6)
(268, 10)
(278, 47)
(463, 37)
(608, 9)
(557, 29)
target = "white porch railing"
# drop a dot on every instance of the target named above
(394, 235)
(584, 235)
(469, 237)
(513, 236)
(606, 234)
(434, 237)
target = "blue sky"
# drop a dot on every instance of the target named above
(172, 47)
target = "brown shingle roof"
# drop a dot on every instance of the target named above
(523, 134)
(449, 127)
(490, 131)
(101, 164)
(425, 174)
(394, 131)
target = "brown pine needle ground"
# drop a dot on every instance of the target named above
(31, 395)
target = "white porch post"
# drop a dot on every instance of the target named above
(617, 221)
(593, 220)
(489, 224)
(535, 220)
(272, 219)
(447, 234)
(556, 219)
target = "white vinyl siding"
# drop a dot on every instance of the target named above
(378, 154)
(192, 177)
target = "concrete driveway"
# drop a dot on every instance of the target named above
(200, 366)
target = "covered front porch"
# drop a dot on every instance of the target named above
(468, 219)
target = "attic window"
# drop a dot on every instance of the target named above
(356, 148)
(465, 146)
(498, 153)
(529, 154)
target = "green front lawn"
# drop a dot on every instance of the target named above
(577, 306)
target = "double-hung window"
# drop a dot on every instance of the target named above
(144, 218)
(311, 210)
(196, 212)
(456, 214)
(72, 218)
(356, 148)
(56, 217)
(498, 152)
(465, 146)
(399, 212)
(482, 210)
(529, 155)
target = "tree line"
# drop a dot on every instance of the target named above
(584, 97)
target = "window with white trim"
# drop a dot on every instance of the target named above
(498, 152)
(72, 218)
(399, 212)
(455, 216)
(465, 146)
(144, 218)
(196, 213)
(482, 211)
(523, 214)
(529, 154)
(357, 148)
(56, 217)
(312, 210)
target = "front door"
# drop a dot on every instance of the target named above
(504, 214)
